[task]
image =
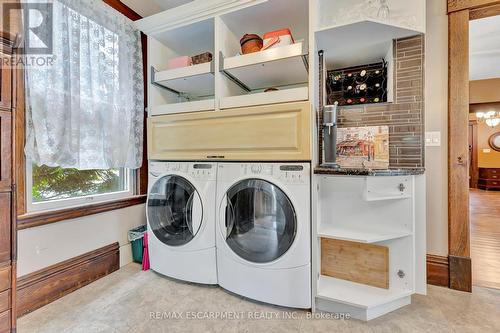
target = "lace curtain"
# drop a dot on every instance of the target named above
(86, 111)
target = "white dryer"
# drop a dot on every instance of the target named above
(181, 220)
(264, 232)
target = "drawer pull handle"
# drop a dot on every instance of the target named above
(215, 156)
(402, 187)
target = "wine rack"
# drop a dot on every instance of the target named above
(364, 84)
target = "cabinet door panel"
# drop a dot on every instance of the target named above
(5, 84)
(6, 150)
(5, 224)
(269, 133)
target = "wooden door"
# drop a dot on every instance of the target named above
(266, 133)
(6, 150)
(5, 225)
(473, 163)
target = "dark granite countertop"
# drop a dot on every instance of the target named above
(326, 170)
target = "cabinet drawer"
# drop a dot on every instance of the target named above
(268, 133)
(489, 182)
(4, 278)
(388, 188)
(5, 322)
(489, 173)
(4, 300)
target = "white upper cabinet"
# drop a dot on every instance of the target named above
(408, 14)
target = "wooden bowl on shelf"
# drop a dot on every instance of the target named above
(251, 43)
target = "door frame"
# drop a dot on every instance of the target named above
(460, 12)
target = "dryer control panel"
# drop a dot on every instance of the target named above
(200, 171)
(287, 173)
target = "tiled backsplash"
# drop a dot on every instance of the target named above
(405, 117)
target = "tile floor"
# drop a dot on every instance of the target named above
(125, 300)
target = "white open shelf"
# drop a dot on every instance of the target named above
(202, 105)
(356, 294)
(363, 42)
(360, 235)
(280, 66)
(196, 80)
(263, 98)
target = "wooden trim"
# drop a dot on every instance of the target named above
(438, 270)
(483, 12)
(458, 146)
(124, 9)
(460, 273)
(37, 219)
(48, 284)
(457, 5)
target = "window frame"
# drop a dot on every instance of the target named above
(32, 207)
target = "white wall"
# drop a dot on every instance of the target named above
(46, 245)
(436, 114)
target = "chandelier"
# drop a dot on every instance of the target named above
(491, 118)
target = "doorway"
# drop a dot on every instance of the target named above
(484, 160)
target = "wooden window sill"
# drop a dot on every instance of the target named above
(31, 220)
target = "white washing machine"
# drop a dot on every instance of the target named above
(181, 220)
(264, 232)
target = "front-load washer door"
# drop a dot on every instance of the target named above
(260, 221)
(175, 211)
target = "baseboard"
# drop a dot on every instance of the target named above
(460, 273)
(47, 285)
(438, 272)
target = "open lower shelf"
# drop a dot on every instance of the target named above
(264, 98)
(276, 67)
(196, 80)
(360, 235)
(203, 105)
(357, 43)
(356, 294)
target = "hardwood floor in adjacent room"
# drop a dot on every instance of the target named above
(485, 237)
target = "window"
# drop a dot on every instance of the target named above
(54, 187)
(84, 109)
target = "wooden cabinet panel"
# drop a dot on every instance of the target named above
(5, 322)
(5, 224)
(356, 262)
(267, 133)
(6, 150)
(5, 84)
(4, 300)
(4, 278)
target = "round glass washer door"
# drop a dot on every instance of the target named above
(261, 222)
(175, 210)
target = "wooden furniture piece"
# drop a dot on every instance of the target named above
(7, 190)
(489, 178)
(267, 133)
